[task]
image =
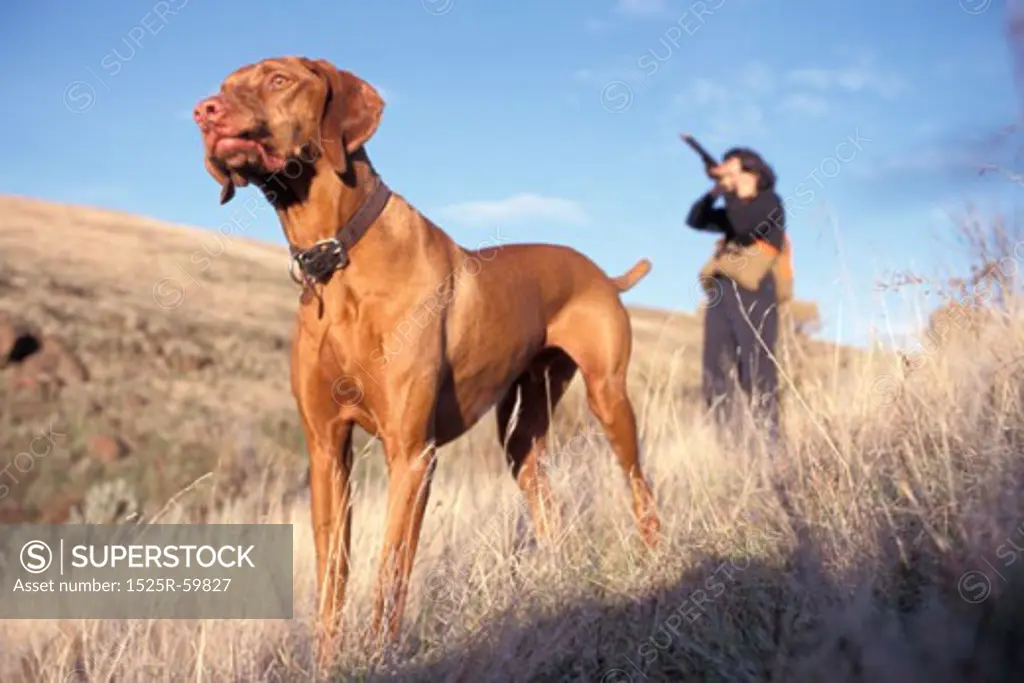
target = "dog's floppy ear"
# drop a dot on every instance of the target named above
(227, 181)
(351, 114)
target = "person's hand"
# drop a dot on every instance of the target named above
(730, 167)
(727, 181)
(725, 174)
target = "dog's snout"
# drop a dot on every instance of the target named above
(209, 110)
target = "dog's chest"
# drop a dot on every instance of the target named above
(483, 364)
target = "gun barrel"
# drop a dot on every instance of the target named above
(705, 156)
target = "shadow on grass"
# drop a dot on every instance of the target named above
(736, 619)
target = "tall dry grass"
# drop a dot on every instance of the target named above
(882, 545)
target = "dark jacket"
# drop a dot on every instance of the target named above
(741, 222)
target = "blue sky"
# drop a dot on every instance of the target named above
(556, 121)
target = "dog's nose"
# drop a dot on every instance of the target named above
(208, 111)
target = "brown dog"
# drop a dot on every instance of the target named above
(511, 331)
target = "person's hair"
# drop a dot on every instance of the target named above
(752, 162)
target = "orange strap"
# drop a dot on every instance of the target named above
(786, 260)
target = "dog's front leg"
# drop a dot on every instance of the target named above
(408, 436)
(409, 477)
(329, 441)
(330, 495)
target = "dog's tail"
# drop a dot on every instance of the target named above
(627, 280)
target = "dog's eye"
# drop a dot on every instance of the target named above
(278, 81)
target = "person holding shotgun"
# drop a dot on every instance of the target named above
(747, 278)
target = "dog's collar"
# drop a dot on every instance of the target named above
(316, 264)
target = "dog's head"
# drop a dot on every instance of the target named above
(283, 110)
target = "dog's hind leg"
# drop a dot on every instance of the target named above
(601, 343)
(610, 404)
(523, 420)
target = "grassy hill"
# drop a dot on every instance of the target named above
(151, 356)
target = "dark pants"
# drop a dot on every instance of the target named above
(732, 351)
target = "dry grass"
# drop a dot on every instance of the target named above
(842, 562)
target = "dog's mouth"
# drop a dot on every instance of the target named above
(243, 150)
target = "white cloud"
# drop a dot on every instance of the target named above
(929, 159)
(736, 106)
(645, 8)
(730, 112)
(743, 119)
(805, 105)
(706, 93)
(584, 75)
(857, 79)
(524, 206)
(815, 78)
(758, 78)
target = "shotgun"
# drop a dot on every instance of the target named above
(705, 156)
